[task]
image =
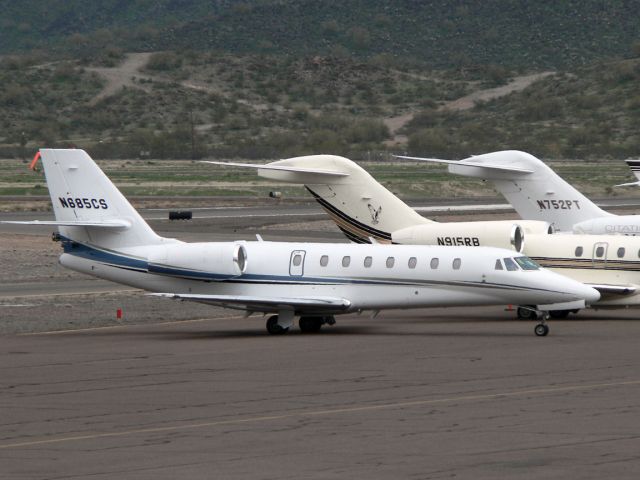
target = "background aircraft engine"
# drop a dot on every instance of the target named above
(200, 260)
(503, 234)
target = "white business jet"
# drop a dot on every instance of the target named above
(104, 236)
(538, 193)
(609, 263)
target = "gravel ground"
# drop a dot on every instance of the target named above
(34, 259)
(43, 314)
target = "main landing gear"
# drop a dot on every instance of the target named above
(307, 324)
(274, 328)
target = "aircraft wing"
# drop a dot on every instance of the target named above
(468, 163)
(614, 289)
(628, 184)
(249, 302)
(73, 223)
(283, 168)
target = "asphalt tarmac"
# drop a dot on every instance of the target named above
(425, 394)
(180, 390)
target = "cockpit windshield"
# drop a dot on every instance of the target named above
(510, 264)
(526, 263)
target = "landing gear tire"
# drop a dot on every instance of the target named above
(527, 313)
(559, 313)
(541, 330)
(273, 327)
(310, 324)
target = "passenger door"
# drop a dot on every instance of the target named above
(599, 255)
(296, 263)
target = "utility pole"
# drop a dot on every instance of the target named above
(23, 144)
(193, 135)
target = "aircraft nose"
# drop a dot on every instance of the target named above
(580, 290)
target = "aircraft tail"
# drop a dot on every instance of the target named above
(88, 207)
(535, 190)
(361, 207)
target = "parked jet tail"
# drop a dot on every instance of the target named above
(535, 190)
(87, 205)
(363, 209)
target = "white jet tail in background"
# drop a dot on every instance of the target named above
(361, 207)
(535, 190)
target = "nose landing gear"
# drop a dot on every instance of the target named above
(541, 330)
(530, 312)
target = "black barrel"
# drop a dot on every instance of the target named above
(180, 215)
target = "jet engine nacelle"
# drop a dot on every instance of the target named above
(622, 224)
(200, 260)
(500, 233)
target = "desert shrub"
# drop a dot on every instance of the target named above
(164, 61)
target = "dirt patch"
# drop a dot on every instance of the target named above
(464, 103)
(124, 75)
(518, 83)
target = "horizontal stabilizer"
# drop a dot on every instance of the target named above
(615, 289)
(74, 223)
(628, 184)
(284, 168)
(320, 303)
(470, 163)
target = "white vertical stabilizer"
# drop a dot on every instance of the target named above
(535, 190)
(82, 193)
(362, 208)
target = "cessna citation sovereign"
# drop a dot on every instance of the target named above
(104, 236)
(538, 193)
(609, 263)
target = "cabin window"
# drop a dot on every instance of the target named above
(324, 260)
(499, 265)
(510, 264)
(297, 260)
(579, 251)
(526, 263)
(621, 252)
(346, 261)
(434, 263)
(599, 251)
(413, 261)
(456, 263)
(367, 262)
(390, 262)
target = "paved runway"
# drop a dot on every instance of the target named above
(405, 395)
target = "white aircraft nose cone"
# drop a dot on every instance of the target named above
(590, 295)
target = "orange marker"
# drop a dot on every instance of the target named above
(32, 165)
